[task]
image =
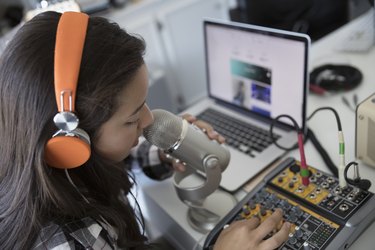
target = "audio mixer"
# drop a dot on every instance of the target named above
(322, 214)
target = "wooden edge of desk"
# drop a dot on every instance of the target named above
(250, 185)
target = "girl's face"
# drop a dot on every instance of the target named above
(120, 133)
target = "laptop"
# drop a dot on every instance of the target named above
(254, 74)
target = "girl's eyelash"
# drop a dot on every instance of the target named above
(132, 123)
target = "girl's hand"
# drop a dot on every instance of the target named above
(250, 234)
(205, 127)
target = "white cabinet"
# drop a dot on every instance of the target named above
(173, 31)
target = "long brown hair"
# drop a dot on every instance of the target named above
(31, 193)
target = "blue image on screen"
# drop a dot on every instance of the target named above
(261, 93)
(261, 111)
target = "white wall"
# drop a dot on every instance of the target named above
(173, 33)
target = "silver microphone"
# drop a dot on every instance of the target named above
(189, 144)
(185, 141)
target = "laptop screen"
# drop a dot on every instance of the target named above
(260, 70)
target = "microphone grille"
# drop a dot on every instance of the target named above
(165, 130)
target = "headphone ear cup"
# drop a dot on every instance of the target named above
(68, 150)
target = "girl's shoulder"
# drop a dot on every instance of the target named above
(85, 233)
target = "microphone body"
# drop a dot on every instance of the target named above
(185, 141)
(189, 144)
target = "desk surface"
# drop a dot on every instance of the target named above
(167, 214)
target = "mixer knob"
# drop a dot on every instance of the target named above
(263, 194)
(330, 180)
(263, 211)
(251, 204)
(301, 189)
(285, 204)
(292, 240)
(338, 190)
(274, 198)
(245, 211)
(292, 218)
(268, 204)
(306, 246)
(324, 184)
(257, 198)
(295, 168)
(297, 211)
(298, 233)
(312, 179)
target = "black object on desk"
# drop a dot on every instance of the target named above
(334, 77)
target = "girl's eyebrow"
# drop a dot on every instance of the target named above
(139, 108)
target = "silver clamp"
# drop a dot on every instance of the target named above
(66, 120)
(212, 182)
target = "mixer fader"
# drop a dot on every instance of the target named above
(322, 214)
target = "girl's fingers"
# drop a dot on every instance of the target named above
(178, 166)
(277, 239)
(190, 118)
(205, 127)
(269, 224)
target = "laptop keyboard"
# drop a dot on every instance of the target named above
(245, 137)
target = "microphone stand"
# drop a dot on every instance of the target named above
(199, 198)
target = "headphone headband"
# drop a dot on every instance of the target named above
(70, 39)
(70, 146)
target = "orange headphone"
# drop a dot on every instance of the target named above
(69, 147)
